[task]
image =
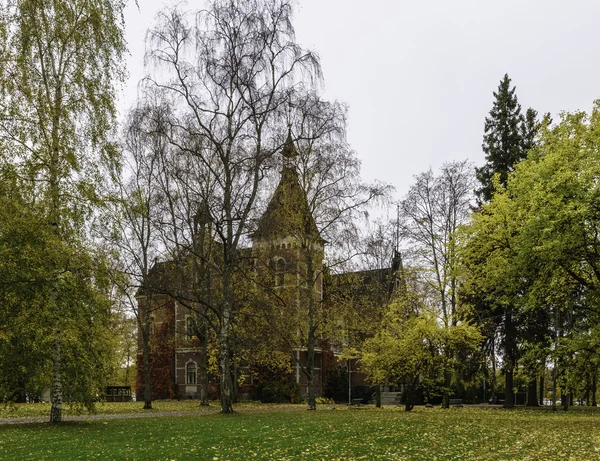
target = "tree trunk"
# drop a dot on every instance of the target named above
(57, 394)
(310, 365)
(509, 399)
(226, 398)
(203, 365)
(564, 399)
(55, 217)
(146, 362)
(554, 381)
(378, 396)
(532, 393)
(493, 381)
(204, 280)
(594, 387)
(542, 387)
(234, 387)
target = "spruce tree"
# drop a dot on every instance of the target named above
(529, 129)
(507, 137)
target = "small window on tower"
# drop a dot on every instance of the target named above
(279, 272)
(189, 328)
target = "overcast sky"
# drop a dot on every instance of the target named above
(418, 76)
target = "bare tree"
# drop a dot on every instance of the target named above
(431, 213)
(133, 226)
(324, 201)
(228, 68)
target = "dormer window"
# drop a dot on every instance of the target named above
(279, 274)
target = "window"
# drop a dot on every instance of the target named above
(190, 375)
(190, 329)
(279, 272)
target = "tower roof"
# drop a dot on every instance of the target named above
(288, 213)
(289, 152)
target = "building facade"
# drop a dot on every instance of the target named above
(286, 263)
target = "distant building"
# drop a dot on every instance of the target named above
(286, 246)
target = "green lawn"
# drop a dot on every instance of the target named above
(105, 408)
(327, 434)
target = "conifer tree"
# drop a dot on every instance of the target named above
(507, 137)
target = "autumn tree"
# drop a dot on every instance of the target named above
(132, 223)
(228, 68)
(324, 204)
(491, 280)
(531, 250)
(555, 192)
(409, 348)
(61, 61)
(431, 213)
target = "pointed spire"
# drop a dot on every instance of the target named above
(202, 216)
(289, 152)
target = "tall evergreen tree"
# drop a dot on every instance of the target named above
(507, 138)
(529, 129)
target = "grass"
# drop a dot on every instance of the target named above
(327, 434)
(31, 410)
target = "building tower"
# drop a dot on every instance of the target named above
(289, 251)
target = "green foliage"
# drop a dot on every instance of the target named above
(508, 136)
(415, 351)
(57, 109)
(28, 254)
(276, 385)
(532, 251)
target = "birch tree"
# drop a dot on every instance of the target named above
(431, 214)
(325, 207)
(228, 68)
(61, 61)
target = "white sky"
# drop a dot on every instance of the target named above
(418, 75)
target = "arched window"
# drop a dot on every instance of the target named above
(190, 375)
(279, 272)
(189, 328)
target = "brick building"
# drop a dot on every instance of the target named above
(286, 261)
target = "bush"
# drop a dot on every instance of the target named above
(274, 387)
(336, 384)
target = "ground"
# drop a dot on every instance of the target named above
(287, 432)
